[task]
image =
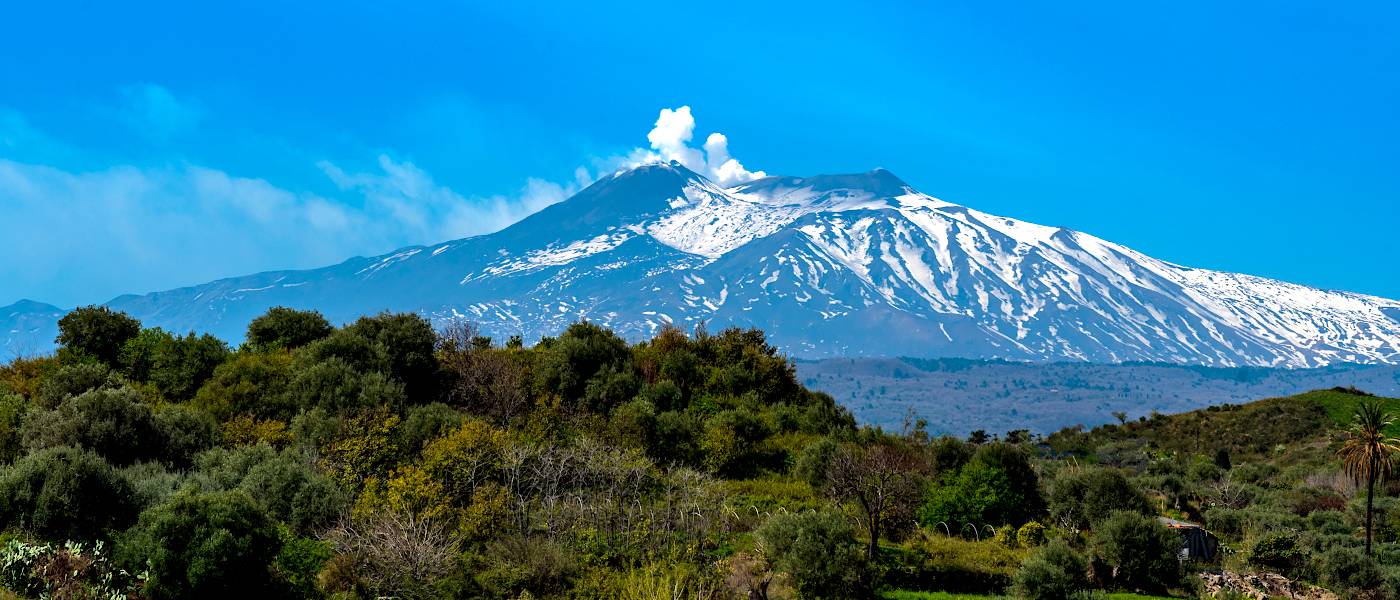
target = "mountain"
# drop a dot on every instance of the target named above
(831, 265)
(28, 328)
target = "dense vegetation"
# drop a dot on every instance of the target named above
(386, 459)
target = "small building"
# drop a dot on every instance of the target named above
(1196, 543)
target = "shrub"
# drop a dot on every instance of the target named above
(1141, 551)
(407, 342)
(1282, 552)
(515, 564)
(979, 495)
(185, 432)
(13, 410)
(65, 493)
(72, 380)
(1350, 570)
(177, 365)
(114, 423)
(334, 385)
(818, 550)
(1081, 496)
(423, 424)
(1031, 535)
(205, 545)
(813, 461)
(251, 383)
(1055, 572)
(281, 483)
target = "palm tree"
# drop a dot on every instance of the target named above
(1369, 454)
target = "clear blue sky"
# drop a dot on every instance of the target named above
(151, 145)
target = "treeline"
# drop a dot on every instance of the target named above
(386, 459)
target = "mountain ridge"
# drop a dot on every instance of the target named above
(831, 265)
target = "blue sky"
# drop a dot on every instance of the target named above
(145, 146)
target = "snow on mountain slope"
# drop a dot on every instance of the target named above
(832, 265)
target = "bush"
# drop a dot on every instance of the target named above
(813, 461)
(1031, 535)
(407, 341)
(1081, 496)
(334, 385)
(819, 551)
(65, 493)
(281, 483)
(252, 383)
(1141, 551)
(210, 545)
(13, 410)
(177, 365)
(72, 380)
(185, 432)
(423, 424)
(1282, 552)
(116, 424)
(1055, 572)
(1350, 570)
(516, 564)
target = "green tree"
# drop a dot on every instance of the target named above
(408, 342)
(1141, 552)
(97, 331)
(251, 383)
(1081, 496)
(819, 551)
(205, 545)
(997, 486)
(1369, 454)
(289, 328)
(116, 424)
(282, 483)
(979, 495)
(335, 386)
(577, 356)
(65, 493)
(177, 365)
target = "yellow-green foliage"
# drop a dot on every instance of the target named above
(365, 448)
(246, 431)
(465, 458)
(1030, 535)
(409, 489)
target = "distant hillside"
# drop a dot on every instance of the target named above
(1256, 431)
(958, 396)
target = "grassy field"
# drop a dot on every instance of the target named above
(1341, 407)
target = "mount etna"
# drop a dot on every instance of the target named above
(829, 266)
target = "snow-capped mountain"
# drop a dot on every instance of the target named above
(831, 265)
